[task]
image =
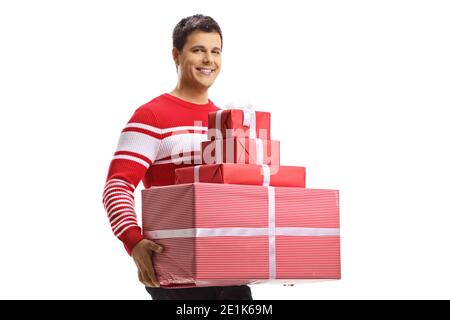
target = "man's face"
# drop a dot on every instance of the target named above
(200, 60)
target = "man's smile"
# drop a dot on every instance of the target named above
(206, 71)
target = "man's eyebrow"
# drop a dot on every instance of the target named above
(203, 47)
(198, 47)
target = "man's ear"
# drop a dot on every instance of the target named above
(176, 56)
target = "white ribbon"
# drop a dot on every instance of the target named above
(259, 151)
(240, 232)
(272, 238)
(250, 120)
(266, 173)
(272, 231)
(197, 173)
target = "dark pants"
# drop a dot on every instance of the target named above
(202, 293)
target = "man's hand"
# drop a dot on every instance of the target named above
(142, 255)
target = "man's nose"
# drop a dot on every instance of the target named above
(207, 57)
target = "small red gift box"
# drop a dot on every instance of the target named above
(231, 123)
(231, 173)
(241, 150)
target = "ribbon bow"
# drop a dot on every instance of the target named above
(249, 116)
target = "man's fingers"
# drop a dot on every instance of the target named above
(140, 277)
(143, 275)
(155, 247)
(151, 272)
(144, 282)
(142, 255)
(151, 275)
(146, 279)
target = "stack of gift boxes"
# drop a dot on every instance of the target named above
(240, 217)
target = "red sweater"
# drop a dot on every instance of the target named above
(162, 135)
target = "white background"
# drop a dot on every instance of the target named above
(358, 91)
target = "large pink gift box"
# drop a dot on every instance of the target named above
(227, 234)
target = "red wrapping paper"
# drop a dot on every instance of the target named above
(241, 150)
(233, 120)
(231, 173)
(201, 259)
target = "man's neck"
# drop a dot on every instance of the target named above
(191, 95)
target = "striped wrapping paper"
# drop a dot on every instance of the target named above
(226, 234)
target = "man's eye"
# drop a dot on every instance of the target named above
(196, 50)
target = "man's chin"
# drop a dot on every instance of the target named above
(205, 85)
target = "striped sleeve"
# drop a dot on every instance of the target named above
(136, 151)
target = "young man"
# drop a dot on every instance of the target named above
(150, 145)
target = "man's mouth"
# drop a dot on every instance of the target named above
(206, 71)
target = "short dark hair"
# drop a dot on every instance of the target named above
(190, 24)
